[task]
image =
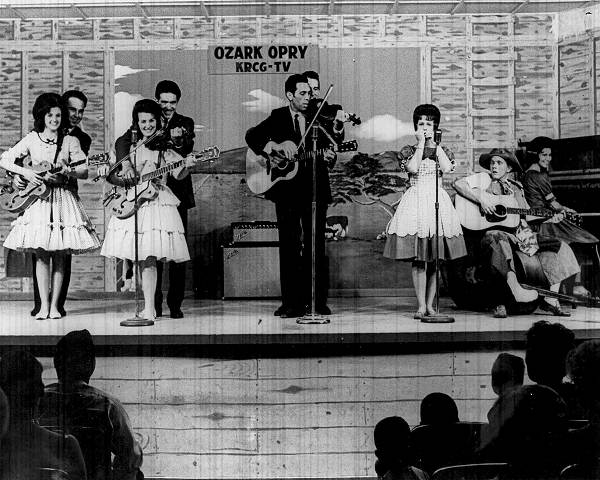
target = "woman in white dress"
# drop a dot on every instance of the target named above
(160, 229)
(56, 225)
(411, 232)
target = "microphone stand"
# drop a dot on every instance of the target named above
(437, 318)
(314, 126)
(137, 320)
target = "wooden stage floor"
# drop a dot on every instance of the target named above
(365, 321)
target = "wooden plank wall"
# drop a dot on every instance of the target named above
(492, 76)
(277, 418)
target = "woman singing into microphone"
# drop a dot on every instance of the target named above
(160, 229)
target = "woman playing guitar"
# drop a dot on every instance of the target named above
(160, 229)
(55, 223)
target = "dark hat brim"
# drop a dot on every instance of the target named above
(486, 158)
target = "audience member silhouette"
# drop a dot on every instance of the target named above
(392, 443)
(438, 409)
(584, 369)
(96, 419)
(529, 433)
(27, 448)
(3, 414)
(508, 372)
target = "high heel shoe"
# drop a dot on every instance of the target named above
(55, 315)
(41, 315)
(555, 310)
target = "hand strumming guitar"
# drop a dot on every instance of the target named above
(32, 177)
(287, 149)
(486, 203)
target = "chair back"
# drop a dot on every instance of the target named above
(473, 471)
(437, 446)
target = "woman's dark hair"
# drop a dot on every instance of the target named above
(42, 106)
(145, 106)
(429, 111)
(438, 408)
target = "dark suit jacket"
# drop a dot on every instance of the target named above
(85, 141)
(182, 189)
(278, 127)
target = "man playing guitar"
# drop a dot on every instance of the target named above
(281, 134)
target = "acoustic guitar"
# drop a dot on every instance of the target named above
(16, 201)
(264, 171)
(122, 201)
(506, 213)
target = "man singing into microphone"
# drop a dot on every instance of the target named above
(281, 133)
(179, 137)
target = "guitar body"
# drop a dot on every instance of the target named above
(17, 201)
(262, 172)
(123, 203)
(471, 217)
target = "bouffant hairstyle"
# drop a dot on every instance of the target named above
(167, 86)
(548, 345)
(42, 106)
(429, 111)
(145, 106)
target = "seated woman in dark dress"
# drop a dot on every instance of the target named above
(539, 194)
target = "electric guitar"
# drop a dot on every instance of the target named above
(265, 170)
(506, 213)
(122, 201)
(16, 201)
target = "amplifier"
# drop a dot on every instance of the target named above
(251, 270)
(252, 232)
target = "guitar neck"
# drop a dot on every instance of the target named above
(161, 171)
(57, 169)
(306, 155)
(536, 212)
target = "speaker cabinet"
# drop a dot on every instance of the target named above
(251, 270)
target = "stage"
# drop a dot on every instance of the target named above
(249, 325)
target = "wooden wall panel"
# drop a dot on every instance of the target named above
(78, 29)
(403, 25)
(275, 27)
(6, 30)
(156, 28)
(265, 418)
(197, 27)
(10, 99)
(492, 129)
(575, 99)
(115, 29)
(495, 26)
(485, 98)
(452, 27)
(320, 26)
(539, 26)
(239, 29)
(361, 26)
(36, 30)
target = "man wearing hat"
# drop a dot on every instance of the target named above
(539, 194)
(498, 247)
(96, 419)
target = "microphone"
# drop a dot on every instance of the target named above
(437, 137)
(134, 135)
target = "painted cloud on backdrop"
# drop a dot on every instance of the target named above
(383, 128)
(263, 102)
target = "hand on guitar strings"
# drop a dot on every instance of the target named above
(33, 177)
(556, 218)
(286, 149)
(486, 203)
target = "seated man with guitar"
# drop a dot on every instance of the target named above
(494, 202)
(278, 144)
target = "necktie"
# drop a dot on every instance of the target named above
(297, 126)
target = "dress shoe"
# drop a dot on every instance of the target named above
(176, 313)
(322, 310)
(35, 311)
(158, 310)
(553, 309)
(292, 313)
(62, 311)
(279, 311)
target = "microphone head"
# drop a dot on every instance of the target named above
(134, 135)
